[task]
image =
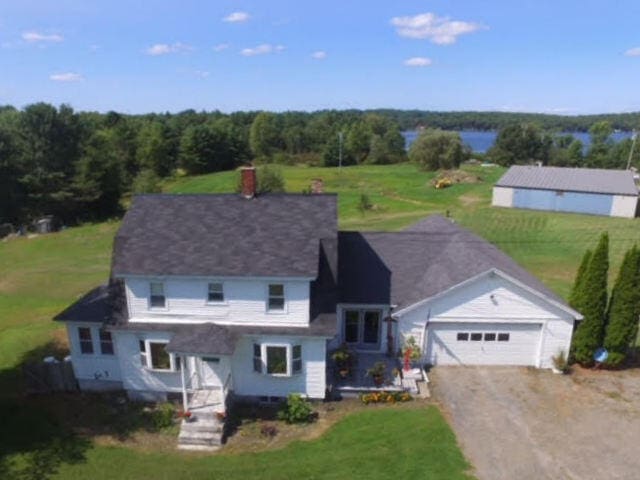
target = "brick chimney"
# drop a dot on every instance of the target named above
(317, 185)
(248, 182)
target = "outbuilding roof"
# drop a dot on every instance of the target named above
(271, 235)
(431, 256)
(589, 180)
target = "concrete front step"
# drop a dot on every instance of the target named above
(199, 438)
(200, 425)
(199, 448)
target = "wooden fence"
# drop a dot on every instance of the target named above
(44, 377)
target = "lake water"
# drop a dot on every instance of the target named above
(481, 141)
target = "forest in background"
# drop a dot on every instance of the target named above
(78, 165)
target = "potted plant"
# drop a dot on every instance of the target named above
(376, 372)
(186, 415)
(342, 358)
(410, 353)
(560, 363)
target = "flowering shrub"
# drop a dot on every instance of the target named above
(385, 397)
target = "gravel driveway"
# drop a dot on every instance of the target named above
(520, 423)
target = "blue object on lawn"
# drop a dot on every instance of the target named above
(601, 355)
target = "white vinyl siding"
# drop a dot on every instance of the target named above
(490, 304)
(96, 366)
(245, 302)
(310, 382)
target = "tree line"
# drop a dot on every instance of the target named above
(610, 321)
(526, 143)
(78, 165)
(413, 119)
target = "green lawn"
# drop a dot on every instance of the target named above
(41, 276)
(380, 443)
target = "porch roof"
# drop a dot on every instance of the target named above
(203, 339)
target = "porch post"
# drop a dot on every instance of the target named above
(185, 404)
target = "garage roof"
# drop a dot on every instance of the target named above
(429, 257)
(589, 180)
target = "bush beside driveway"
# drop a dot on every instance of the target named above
(530, 424)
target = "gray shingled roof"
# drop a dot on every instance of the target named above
(591, 180)
(403, 268)
(270, 235)
(94, 306)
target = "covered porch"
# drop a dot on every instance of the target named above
(358, 377)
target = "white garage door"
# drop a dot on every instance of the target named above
(482, 343)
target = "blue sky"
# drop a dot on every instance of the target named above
(138, 56)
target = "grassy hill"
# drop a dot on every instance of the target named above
(40, 276)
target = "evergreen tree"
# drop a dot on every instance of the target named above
(624, 308)
(578, 285)
(590, 332)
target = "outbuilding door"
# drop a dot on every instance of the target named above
(483, 343)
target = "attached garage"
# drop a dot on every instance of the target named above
(458, 343)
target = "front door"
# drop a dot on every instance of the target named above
(362, 328)
(210, 370)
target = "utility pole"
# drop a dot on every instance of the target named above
(633, 146)
(340, 151)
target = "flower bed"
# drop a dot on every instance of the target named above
(385, 397)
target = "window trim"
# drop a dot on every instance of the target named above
(174, 364)
(208, 291)
(165, 306)
(89, 340)
(263, 359)
(272, 311)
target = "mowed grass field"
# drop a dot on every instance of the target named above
(41, 276)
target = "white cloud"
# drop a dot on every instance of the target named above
(418, 62)
(263, 49)
(439, 30)
(633, 52)
(236, 17)
(319, 55)
(35, 37)
(220, 47)
(165, 48)
(66, 77)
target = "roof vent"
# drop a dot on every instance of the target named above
(248, 182)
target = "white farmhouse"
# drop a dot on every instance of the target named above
(213, 296)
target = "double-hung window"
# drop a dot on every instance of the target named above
(156, 295)
(215, 293)
(277, 360)
(154, 355)
(86, 342)
(106, 342)
(276, 297)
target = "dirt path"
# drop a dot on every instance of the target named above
(528, 424)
